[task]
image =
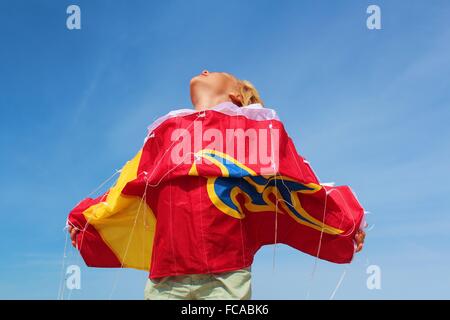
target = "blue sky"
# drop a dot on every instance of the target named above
(367, 108)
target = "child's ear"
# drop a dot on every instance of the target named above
(236, 99)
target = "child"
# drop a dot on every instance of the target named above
(207, 90)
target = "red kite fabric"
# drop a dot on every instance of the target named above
(207, 190)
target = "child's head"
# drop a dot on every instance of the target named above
(211, 88)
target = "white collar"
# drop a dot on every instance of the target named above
(253, 105)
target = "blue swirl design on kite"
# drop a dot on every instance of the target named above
(261, 193)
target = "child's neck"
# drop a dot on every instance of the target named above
(207, 102)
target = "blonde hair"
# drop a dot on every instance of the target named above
(249, 93)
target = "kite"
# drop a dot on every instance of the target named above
(207, 190)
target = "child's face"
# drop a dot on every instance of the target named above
(213, 84)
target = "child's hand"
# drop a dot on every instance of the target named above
(359, 238)
(73, 235)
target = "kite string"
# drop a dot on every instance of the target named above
(321, 234)
(341, 279)
(103, 183)
(322, 227)
(323, 222)
(277, 173)
(95, 190)
(243, 249)
(62, 284)
(77, 257)
(138, 211)
(160, 180)
(143, 198)
(84, 229)
(62, 278)
(201, 114)
(316, 259)
(201, 223)
(320, 242)
(275, 229)
(145, 195)
(321, 231)
(145, 173)
(171, 212)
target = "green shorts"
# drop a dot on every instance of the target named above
(234, 285)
